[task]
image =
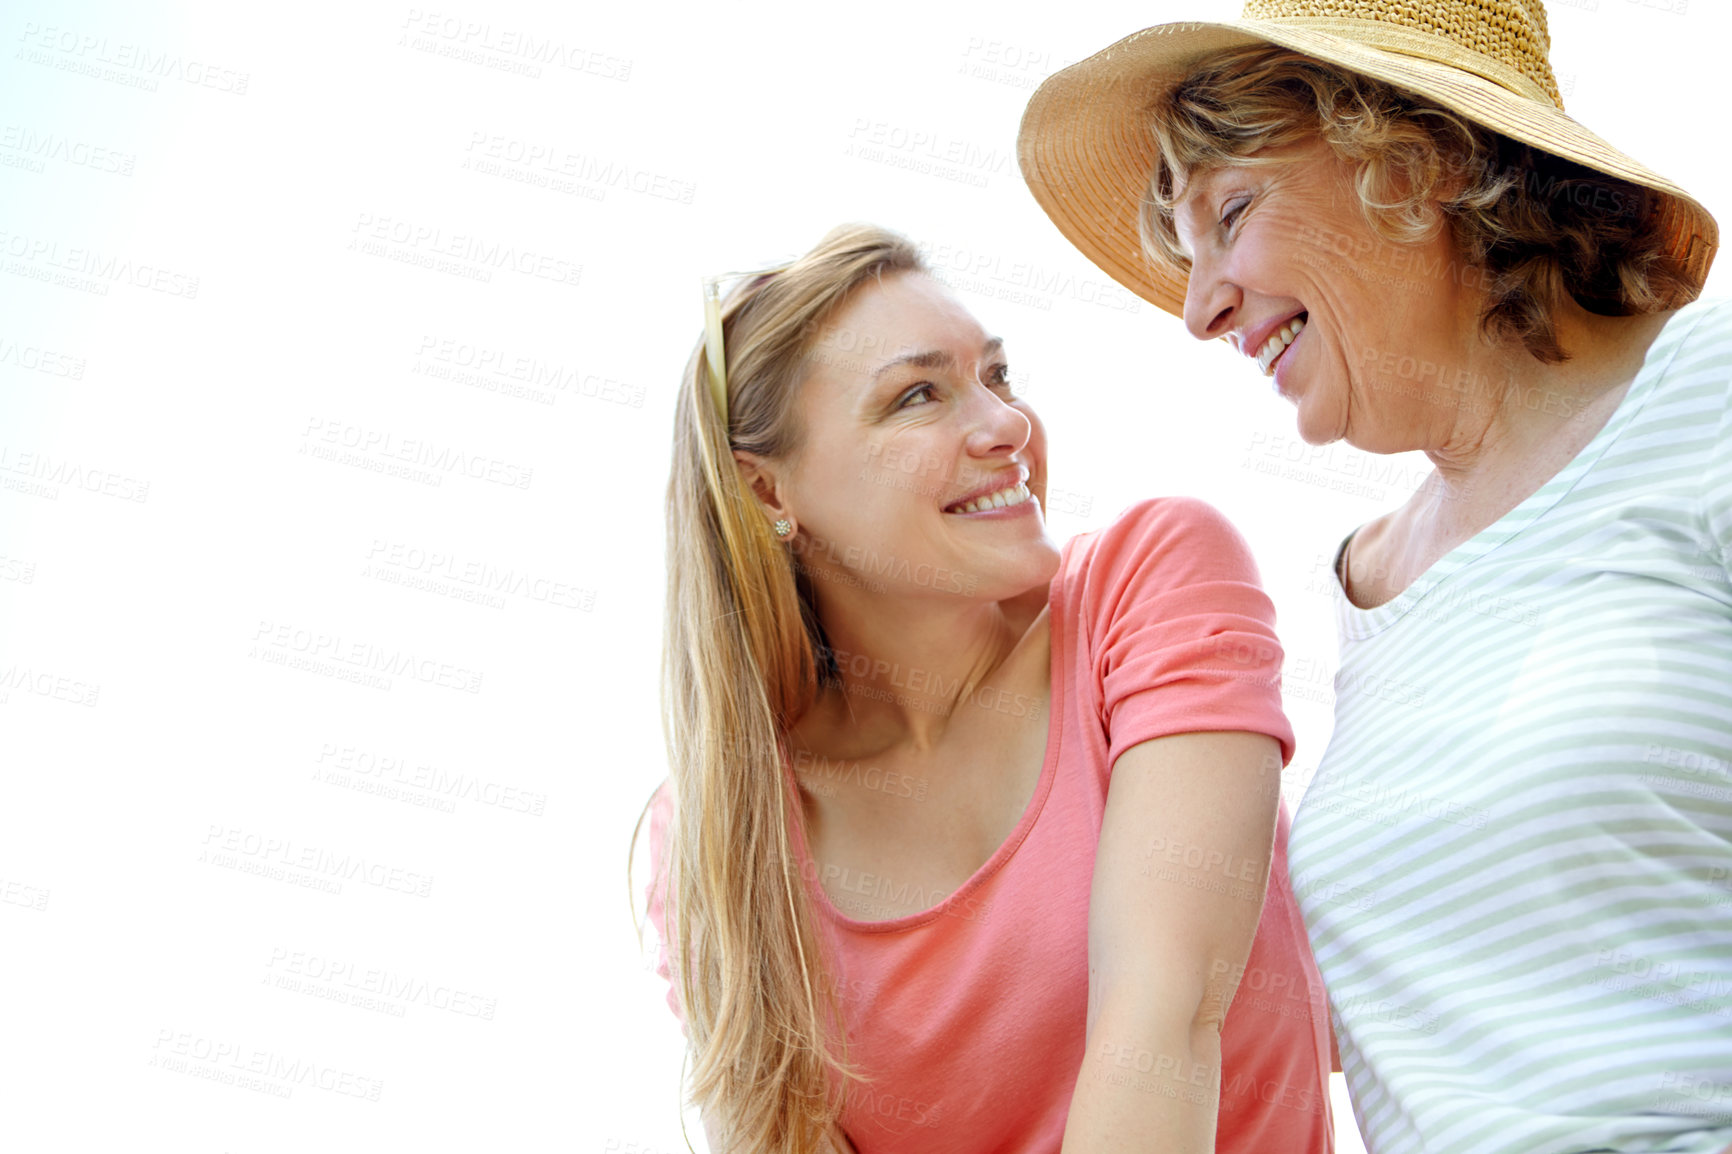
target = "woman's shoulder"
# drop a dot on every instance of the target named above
(1159, 556)
(1184, 537)
(1716, 310)
(1688, 369)
(1703, 326)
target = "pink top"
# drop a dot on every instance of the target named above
(971, 1015)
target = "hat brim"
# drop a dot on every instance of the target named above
(1087, 152)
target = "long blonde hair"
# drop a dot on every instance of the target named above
(741, 665)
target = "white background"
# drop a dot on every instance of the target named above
(221, 315)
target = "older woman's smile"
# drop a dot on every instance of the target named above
(1277, 343)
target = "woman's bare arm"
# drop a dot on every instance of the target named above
(1178, 889)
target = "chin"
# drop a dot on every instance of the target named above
(1042, 568)
(1313, 434)
(1029, 573)
(1317, 424)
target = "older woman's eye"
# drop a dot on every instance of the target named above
(1233, 211)
(999, 378)
(931, 390)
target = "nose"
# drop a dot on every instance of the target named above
(997, 426)
(1211, 300)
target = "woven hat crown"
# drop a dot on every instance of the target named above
(1508, 37)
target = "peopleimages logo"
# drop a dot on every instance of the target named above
(233, 1063)
(974, 269)
(869, 563)
(228, 846)
(137, 65)
(92, 268)
(284, 644)
(355, 979)
(386, 446)
(930, 682)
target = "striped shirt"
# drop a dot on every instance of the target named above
(1515, 860)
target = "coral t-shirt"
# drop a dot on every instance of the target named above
(971, 1015)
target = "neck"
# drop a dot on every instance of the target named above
(1519, 407)
(903, 673)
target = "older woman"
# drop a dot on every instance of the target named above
(1518, 882)
(967, 834)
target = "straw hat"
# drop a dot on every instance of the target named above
(1087, 153)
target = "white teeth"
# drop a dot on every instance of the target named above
(1003, 499)
(1277, 343)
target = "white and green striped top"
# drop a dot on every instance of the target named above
(1515, 860)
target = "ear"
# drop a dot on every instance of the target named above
(763, 478)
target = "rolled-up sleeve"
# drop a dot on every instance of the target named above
(1182, 635)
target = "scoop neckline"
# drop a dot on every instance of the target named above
(1358, 623)
(1013, 842)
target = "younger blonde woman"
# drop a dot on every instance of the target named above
(967, 834)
